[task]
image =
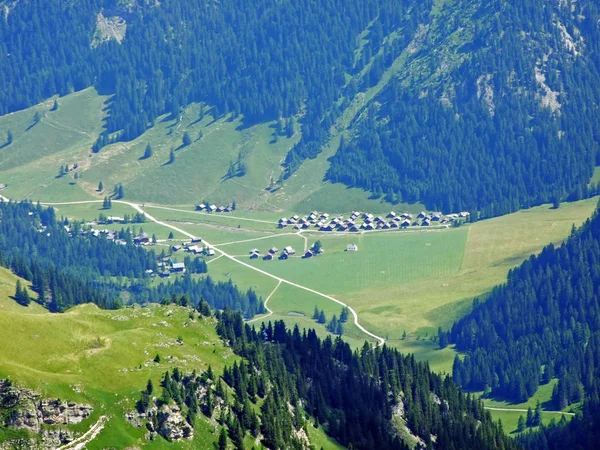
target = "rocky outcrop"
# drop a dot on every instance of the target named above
(172, 425)
(25, 409)
(56, 412)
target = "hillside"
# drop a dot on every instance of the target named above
(104, 359)
(542, 324)
(455, 106)
(494, 110)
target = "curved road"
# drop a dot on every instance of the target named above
(138, 208)
(525, 410)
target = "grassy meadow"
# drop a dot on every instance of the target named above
(104, 358)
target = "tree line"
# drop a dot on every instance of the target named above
(296, 377)
(67, 268)
(542, 324)
(445, 145)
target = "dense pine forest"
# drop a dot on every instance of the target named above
(492, 110)
(364, 398)
(67, 268)
(542, 324)
(509, 122)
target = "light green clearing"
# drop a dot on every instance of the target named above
(29, 166)
(104, 358)
(510, 418)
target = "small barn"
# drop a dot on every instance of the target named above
(352, 247)
(178, 267)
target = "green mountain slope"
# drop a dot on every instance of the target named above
(104, 359)
(494, 110)
(485, 106)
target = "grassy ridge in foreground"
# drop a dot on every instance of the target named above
(105, 358)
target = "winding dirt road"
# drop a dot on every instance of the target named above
(139, 209)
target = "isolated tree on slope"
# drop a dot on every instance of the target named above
(187, 140)
(21, 295)
(148, 151)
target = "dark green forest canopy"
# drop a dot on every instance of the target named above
(67, 268)
(544, 323)
(511, 124)
(355, 394)
(494, 110)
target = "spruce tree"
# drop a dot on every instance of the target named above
(171, 156)
(529, 421)
(186, 140)
(9, 137)
(442, 338)
(322, 318)
(537, 415)
(521, 424)
(100, 186)
(315, 315)
(344, 314)
(222, 444)
(148, 152)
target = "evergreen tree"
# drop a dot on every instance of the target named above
(100, 187)
(322, 318)
(521, 424)
(54, 105)
(537, 415)
(171, 156)
(442, 338)
(344, 314)
(186, 140)
(9, 137)
(333, 324)
(147, 152)
(149, 387)
(222, 443)
(529, 422)
(21, 295)
(316, 313)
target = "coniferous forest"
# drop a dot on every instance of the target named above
(542, 324)
(493, 110)
(66, 268)
(498, 131)
(357, 395)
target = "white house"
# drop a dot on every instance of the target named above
(352, 247)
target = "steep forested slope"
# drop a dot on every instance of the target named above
(264, 59)
(543, 323)
(492, 107)
(374, 398)
(495, 111)
(67, 268)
